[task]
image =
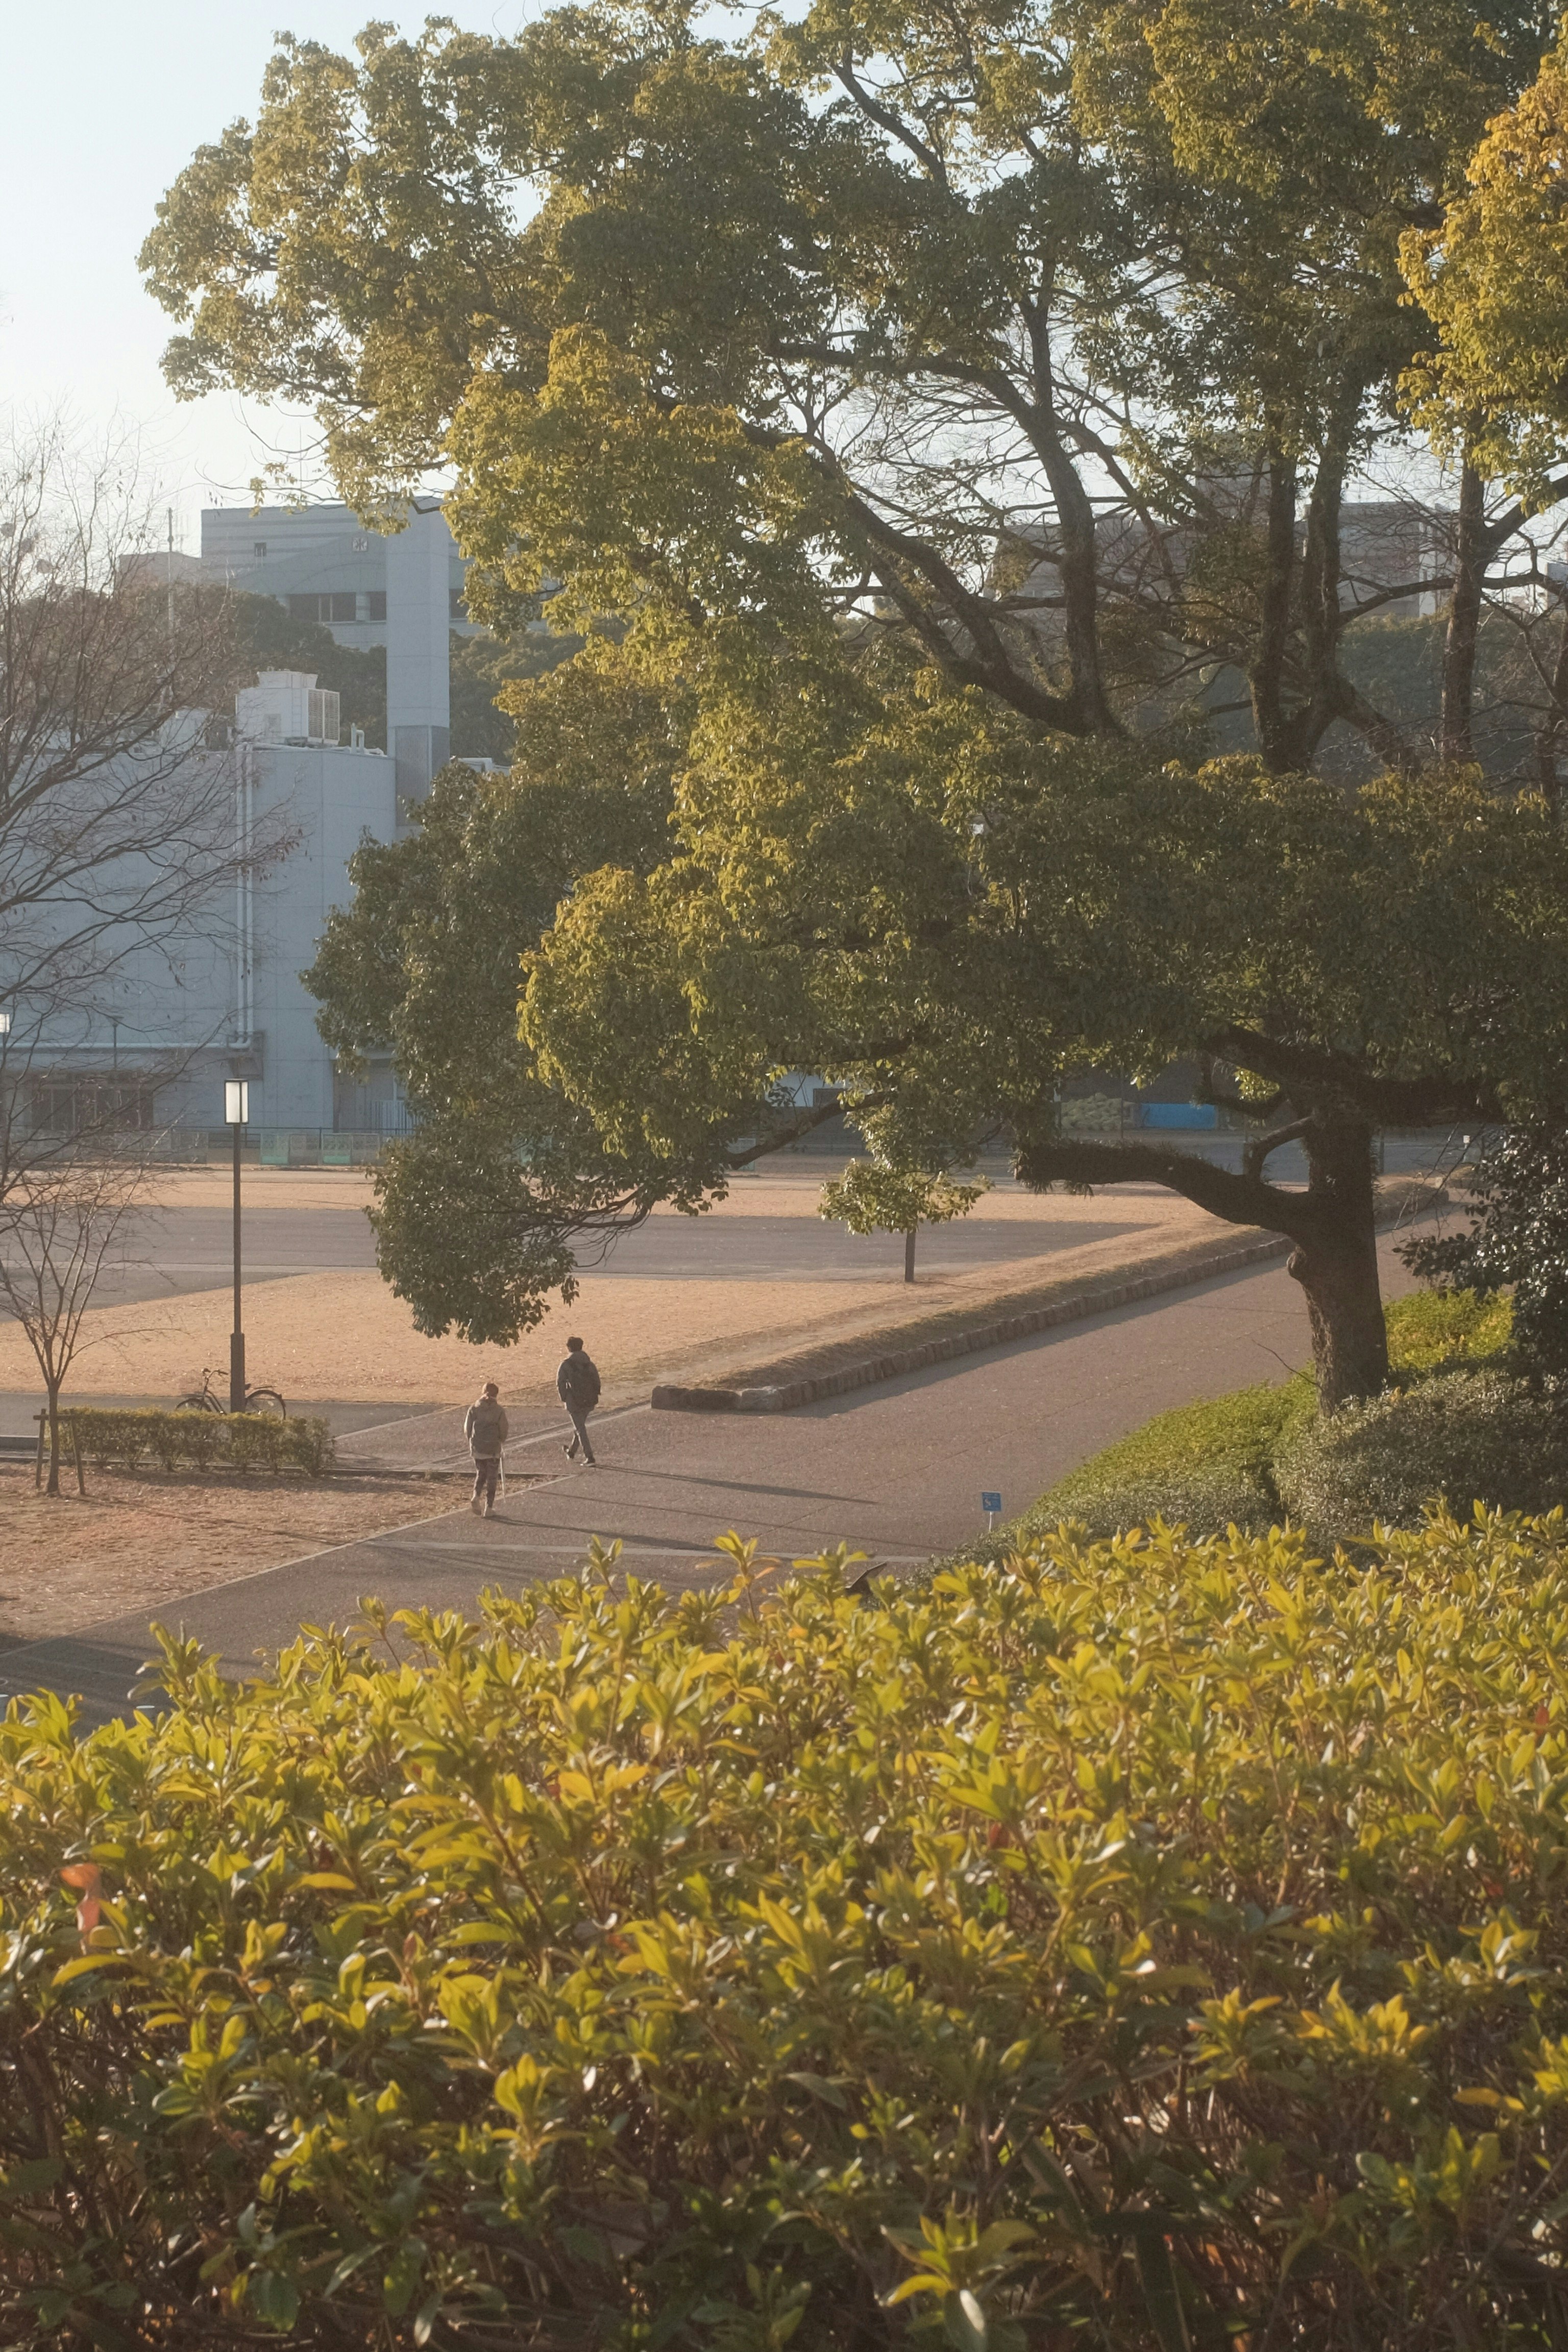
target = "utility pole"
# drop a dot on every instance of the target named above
(237, 1111)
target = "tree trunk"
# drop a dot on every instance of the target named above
(1550, 733)
(1472, 552)
(910, 1255)
(53, 1486)
(1266, 671)
(1331, 1224)
(1338, 1268)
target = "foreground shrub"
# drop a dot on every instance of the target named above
(1481, 1436)
(238, 1440)
(1140, 1946)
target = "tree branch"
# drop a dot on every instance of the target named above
(1256, 1150)
(1239, 1200)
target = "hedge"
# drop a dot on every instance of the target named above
(237, 1441)
(1469, 1436)
(1145, 1946)
(1207, 1465)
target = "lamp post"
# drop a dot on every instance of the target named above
(235, 1111)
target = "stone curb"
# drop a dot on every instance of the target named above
(762, 1396)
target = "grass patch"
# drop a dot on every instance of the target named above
(1439, 1328)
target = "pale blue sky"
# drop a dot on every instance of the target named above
(102, 104)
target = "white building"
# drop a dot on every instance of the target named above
(321, 562)
(165, 1022)
(330, 797)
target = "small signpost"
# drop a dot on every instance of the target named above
(991, 1507)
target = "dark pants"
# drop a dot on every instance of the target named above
(487, 1470)
(578, 1416)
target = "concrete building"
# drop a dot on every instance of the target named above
(330, 797)
(418, 649)
(167, 1023)
(1383, 545)
(323, 564)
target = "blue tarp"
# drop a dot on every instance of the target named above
(1178, 1114)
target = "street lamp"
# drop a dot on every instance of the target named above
(235, 1112)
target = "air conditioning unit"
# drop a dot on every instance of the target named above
(285, 706)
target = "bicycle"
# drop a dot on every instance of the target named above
(206, 1399)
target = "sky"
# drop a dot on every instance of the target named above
(104, 103)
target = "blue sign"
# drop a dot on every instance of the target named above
(991, 1502)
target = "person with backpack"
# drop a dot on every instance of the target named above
(577, 1386)
(485, 1426)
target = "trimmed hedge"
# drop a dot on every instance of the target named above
(1149, 1946)
(1213, 1464)
(1466, 1436)
(234, 1441)
(1206, 1466)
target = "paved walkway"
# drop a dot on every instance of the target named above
(897, 1471)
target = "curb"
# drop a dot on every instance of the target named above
(784, 1396)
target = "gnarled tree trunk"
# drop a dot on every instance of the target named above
(1337, 1267)
(1332, 1225)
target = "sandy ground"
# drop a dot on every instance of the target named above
(343, 1334)
(143, 1542)
(779, 1193)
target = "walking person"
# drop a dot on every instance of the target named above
(485, 1426)
(577, 1386)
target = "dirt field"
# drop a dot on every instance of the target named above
(780, 1193)
(140, 1542)
(342, 1334)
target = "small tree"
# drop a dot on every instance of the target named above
(872, 1197)
(64, 1223)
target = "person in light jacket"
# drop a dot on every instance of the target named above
(577, 1386)
(485, 1426)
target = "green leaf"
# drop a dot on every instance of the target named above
(964, 2317)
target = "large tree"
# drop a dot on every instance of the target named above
(1064, 321)
(893, 403)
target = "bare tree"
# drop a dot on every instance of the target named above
(121, 824)
(66, 1222)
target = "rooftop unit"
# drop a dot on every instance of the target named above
(285, 706)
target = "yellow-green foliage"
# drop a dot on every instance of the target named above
(1445, 1327)
(1140, 1947)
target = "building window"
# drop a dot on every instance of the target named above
(93, 1101)
(258, 549)
(345, 608)
(456, 605)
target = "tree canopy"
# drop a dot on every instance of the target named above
(921, 416)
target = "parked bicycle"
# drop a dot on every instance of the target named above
(206, 1399)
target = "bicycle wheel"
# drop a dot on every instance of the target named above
(266, 1400)
(199, 1401)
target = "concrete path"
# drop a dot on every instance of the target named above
(897, 1471)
